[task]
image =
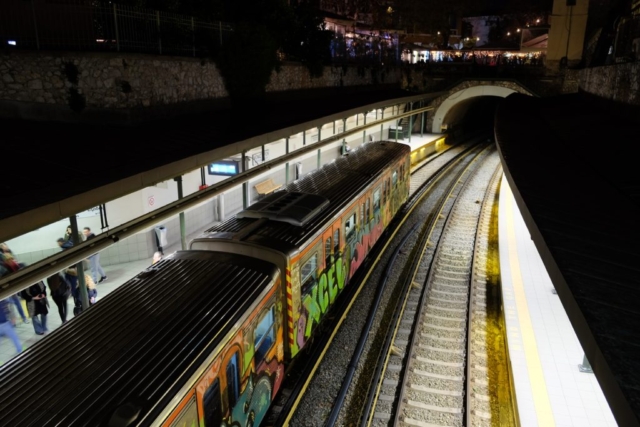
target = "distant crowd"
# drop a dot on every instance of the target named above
(61, 286)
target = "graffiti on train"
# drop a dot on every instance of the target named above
(317, 300)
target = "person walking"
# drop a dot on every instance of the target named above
(37, 306)
(9, 264)
(94, 260)
(6, 325)
(15, 299)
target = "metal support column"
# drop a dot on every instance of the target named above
(159, 36)
(115, 22)
(304, 138)
(183, 228)
(319, 152)
(82, 284)
(286, 166)
(410, 127)
(382, 125)
(245, 185)
(364, 132)
(35, 24)
(422, 123)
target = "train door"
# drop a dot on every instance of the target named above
(350, 235)
(329, 258)
(333, 275)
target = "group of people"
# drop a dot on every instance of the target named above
(61, 285)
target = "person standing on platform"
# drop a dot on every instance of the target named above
(60, 290)
(94, 260)
(6, 325)
(92, 292)
(37, 306)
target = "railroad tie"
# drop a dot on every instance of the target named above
(422, 373)
(443, 350)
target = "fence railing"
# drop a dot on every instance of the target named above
(95, 26)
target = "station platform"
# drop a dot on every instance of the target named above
(544, 350)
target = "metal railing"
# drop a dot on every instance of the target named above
(89, 25)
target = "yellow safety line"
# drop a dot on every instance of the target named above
(536, 374)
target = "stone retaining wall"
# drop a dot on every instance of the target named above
(124, 81)
(620, 82)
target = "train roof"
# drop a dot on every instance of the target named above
(305, 205)
(136, 346)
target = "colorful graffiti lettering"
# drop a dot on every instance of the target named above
(320, 297)
(316, 302)
(366, 239)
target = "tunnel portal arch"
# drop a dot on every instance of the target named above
(464, 91)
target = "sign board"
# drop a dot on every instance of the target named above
(224, 168)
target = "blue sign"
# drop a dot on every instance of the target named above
(224, 167)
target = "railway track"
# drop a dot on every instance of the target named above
(429, 184)
(428, 380)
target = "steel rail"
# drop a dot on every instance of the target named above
(423, 298)
(50, 265)
(487, 205)
(426, 242)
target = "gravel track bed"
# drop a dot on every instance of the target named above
(315, 406)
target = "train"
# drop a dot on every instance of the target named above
(204, 337)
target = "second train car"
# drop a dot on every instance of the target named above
(204, 337)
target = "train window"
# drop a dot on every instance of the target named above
(336, 243)
(367, 210)
(350, 226)
(233, 380)
(265, 335)
(309, 273)
(327, 253)
(212, 405)
(362, 214)
(388, 188)
(376, 200)
(394, 179)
